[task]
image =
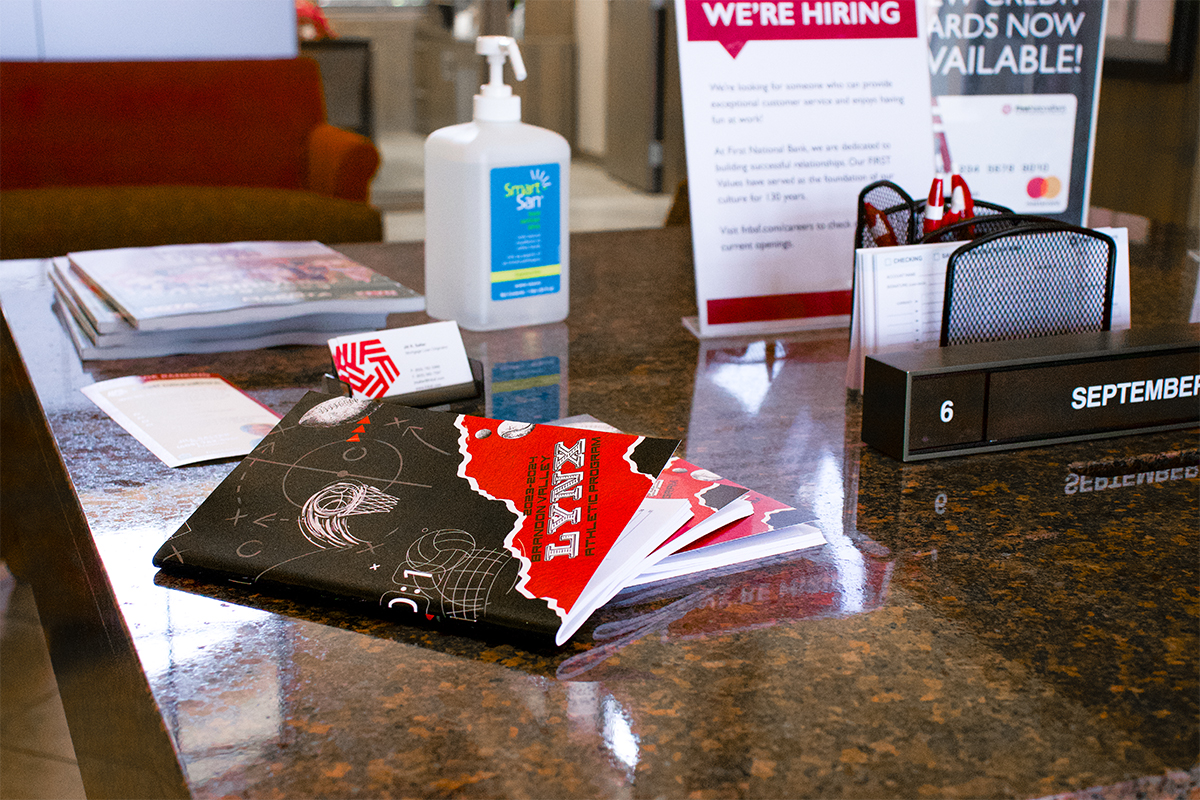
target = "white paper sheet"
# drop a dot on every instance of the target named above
(184, 418)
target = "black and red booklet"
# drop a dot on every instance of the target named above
(441, 515)
(730, 524)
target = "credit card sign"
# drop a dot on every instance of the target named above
(1013, 149)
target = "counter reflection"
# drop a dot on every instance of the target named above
(525, 371)
(784, 589)
(229, 667)
(1063, 563)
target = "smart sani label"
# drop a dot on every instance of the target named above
(525, 231)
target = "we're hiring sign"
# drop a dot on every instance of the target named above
(733, 24)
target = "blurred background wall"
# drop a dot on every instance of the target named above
(604, 74)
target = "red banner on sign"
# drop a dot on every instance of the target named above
(803, 305)
(733, 24)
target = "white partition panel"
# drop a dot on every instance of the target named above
(82, 30)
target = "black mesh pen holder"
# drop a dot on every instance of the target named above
(1037, 279)
(983, 225)
(904, 216)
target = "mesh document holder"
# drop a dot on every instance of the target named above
(1027, 282)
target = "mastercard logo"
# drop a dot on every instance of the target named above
(1048, 188)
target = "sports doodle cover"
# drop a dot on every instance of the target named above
(422, 512)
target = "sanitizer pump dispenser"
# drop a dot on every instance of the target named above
(496, 191)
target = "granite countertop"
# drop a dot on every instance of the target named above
(1015, 624)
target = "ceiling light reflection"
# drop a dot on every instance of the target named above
(748, 377)
(618, 733)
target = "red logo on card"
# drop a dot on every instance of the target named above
(366, 366)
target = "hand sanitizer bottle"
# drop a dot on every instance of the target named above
(496, 194)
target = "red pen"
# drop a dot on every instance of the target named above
(880, 227)
(961, 205)
(935, 206)
(957, 202)
(960, 197)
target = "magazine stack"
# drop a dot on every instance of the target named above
(155, 301)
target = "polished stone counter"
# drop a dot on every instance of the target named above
(1016, 624)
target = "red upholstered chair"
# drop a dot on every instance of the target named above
(122, 154)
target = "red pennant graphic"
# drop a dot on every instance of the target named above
(366, 366)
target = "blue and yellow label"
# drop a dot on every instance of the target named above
(526, 258)
(527, 391)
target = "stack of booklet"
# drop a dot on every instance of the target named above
(431, 516)
(153, 301)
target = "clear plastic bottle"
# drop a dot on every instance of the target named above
(496, 229)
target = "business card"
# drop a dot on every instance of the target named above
(401, 361)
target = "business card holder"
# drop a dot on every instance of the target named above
(461, 392)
